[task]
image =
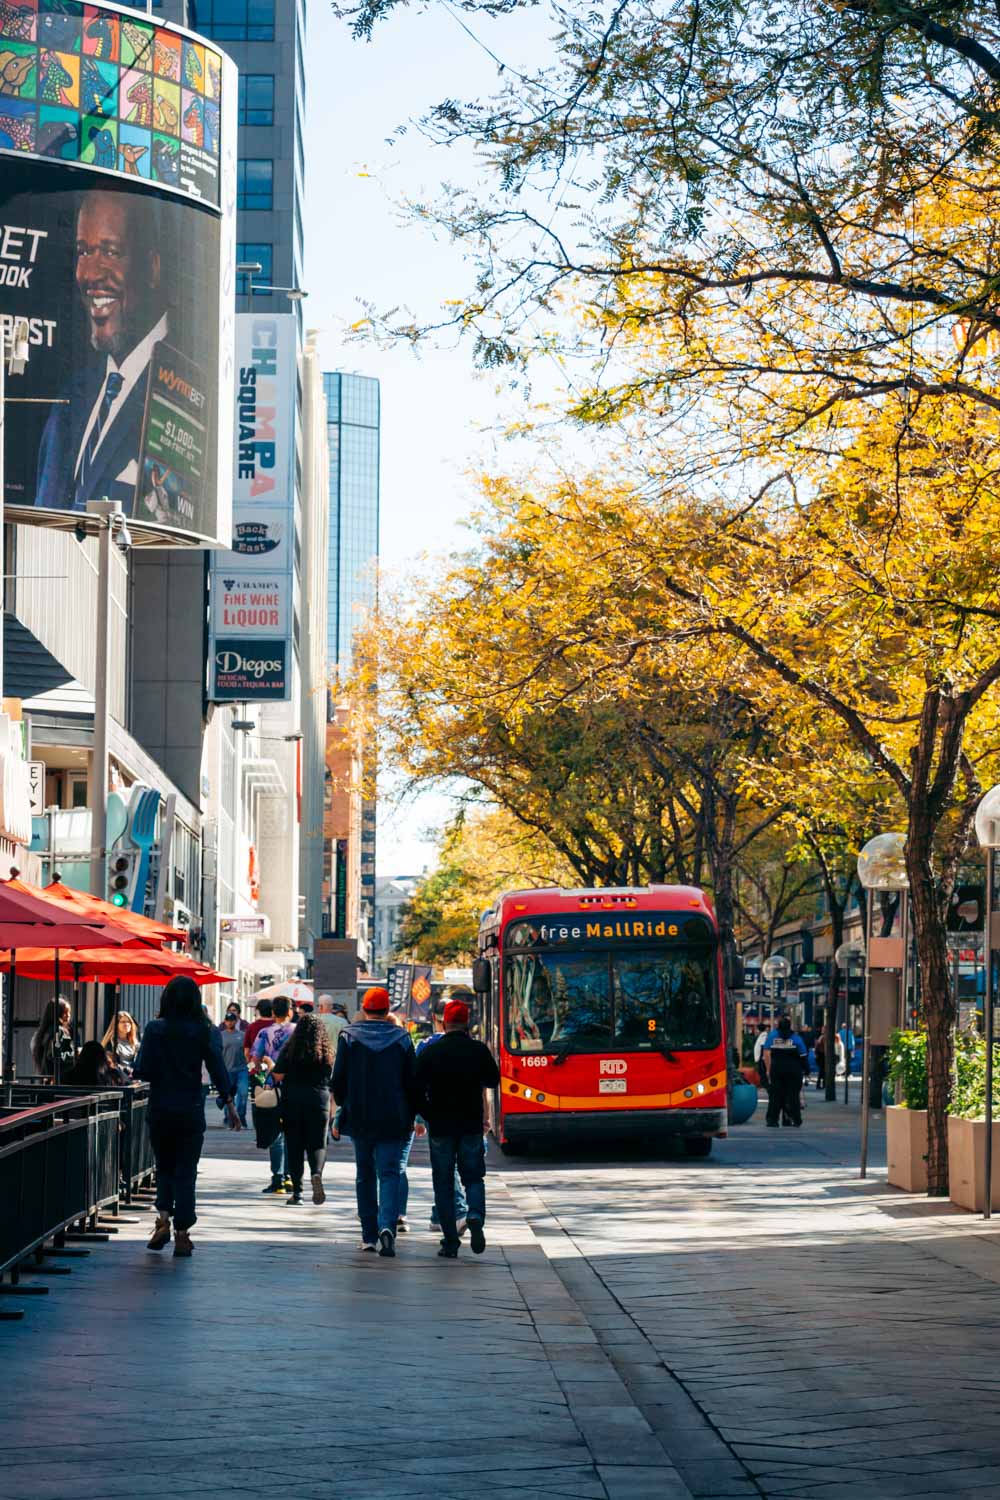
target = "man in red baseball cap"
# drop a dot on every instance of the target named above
(374, 1082)
(451, 1077)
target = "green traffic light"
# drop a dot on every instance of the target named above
(118, 899)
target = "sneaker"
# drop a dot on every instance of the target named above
(477, 1238)
(387, 1243)
(367, 1247)
(161, 1234)
(277, 1186)
(288, 1184)
(319, 1195)
(293, 1197)
(448, 1252)
(182, 1242)
(402, 1227)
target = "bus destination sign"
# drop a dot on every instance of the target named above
(560, 931)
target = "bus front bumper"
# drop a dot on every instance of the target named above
(618, 1124)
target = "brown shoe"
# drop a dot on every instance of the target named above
(182, 1242)
(161, 1234)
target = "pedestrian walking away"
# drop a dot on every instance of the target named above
(304, 1070)
(374, 1081)
(174, 1048)
(461, 1207)
(235, 1060)
(333, 1014)
(786, 1053)
(263, 1055)
(264, 1017)
(451, 1077)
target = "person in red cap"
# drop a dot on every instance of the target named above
(451, 1077)
(374, 1082)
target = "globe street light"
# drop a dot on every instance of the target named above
(772, 969)
(881, 867)
(988, 834)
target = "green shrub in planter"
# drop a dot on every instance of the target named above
(908, 1066)
(968, 1093)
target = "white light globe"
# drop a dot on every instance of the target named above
(882, 863)
(849, 956)
(988, 820)
(775, 967)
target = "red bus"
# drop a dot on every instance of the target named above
(605, 1010)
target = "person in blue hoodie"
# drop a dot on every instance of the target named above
(374, 1082)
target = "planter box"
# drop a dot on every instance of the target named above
(906, 1148)
(967, 1163)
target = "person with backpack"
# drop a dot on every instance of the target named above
(451, 1077)
(374, 1082)
(263, 1056)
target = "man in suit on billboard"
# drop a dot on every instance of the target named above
(92, 438)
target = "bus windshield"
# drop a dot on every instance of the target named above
(648, 998)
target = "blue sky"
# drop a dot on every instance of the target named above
(436, 413)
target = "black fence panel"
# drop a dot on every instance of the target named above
(58, 1163)
(135, 1153)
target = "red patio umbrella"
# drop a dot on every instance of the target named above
(121, 966)
(28, 919)
(85, 905)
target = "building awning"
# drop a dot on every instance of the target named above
(276, 960)
(264, 775)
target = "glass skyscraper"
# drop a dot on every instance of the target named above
(353, 415)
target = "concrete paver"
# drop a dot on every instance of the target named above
(760, 1324)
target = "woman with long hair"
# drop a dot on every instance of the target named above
(304, 1069)
(126, 1045)
(173, 1049)
(53, 1037)
(92, 1069)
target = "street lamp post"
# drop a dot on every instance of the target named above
(988, 834)
(112, 528)
(848, 957)
(881, 867)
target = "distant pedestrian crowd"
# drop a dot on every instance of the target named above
(308, 1077)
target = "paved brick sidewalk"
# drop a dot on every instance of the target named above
(786, 1329)
(280, 1360)
(761, 1324)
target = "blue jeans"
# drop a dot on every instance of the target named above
(404, 1181)
(378, 1182)
(467, 1155)
(176, 1138)
(240, 1084)
(461, 1206)
(277, 1154)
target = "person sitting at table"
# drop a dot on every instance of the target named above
(92, 1069)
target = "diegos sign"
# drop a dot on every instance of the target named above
(245, 670)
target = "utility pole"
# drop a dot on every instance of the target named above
(111, 528)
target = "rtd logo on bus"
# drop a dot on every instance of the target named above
(613, 1065)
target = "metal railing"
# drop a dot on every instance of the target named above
(136, 1152)
(59, 1165)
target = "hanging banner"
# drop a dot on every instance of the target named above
(252, 584)
(117, 247)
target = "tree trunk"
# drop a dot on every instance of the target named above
(930, 935)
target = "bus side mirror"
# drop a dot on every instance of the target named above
(735, 971)
(481, 976)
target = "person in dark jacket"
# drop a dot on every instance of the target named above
(374, 1080)
(451, 1077)
(93, 1069)
(786, 1054)
(304, 1069)
(173, 1049)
